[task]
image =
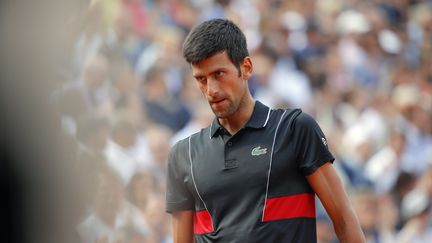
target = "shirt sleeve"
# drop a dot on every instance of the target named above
(178, 196)
(312, 149)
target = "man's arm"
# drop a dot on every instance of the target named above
(182, 222)
(327, 185)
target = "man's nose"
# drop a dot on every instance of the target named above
(212, 87)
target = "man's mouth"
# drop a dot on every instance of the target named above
(216, 101)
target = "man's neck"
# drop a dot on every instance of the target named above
(237, 121)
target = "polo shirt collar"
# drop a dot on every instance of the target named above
(258, 119)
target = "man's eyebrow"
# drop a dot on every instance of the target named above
(219, 69)
(197, 75)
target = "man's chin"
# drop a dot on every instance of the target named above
(222, 114)
(219, 114)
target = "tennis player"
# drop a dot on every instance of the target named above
(252, 175)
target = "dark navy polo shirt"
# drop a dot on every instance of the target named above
(250, 187)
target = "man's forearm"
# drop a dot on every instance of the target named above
(349, 232)
(182, 223)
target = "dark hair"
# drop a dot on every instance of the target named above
(213, 36)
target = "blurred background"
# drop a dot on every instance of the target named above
(94, 94)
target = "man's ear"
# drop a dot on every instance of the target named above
(246, 68)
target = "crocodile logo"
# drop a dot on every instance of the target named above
(258, 151)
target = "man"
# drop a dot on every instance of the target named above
(252, 175)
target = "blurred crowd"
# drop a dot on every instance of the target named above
(363, 69)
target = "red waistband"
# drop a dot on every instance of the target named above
(202, 222)
(294, 206)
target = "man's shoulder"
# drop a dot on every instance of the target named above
(300, 123)
(287, 116)
(304, 119)
(179, 154)
(184, 143)
(294, 119)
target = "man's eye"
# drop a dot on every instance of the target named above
(200, 79)
(219, 74)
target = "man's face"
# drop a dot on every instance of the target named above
(220, 82)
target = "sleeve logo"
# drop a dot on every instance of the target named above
(324, 141)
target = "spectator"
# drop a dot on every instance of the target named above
(159, 223)
(120, 151)
(387, 218)
(159, 145)
(160, 105)
(416, 211)
(92, 135)
(383, 167)
(91, 84)
(141, 186)
(365, 204)
(111, 213)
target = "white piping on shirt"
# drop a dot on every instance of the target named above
(211, 128)
(193, 179)
(268, 116)
(271, 160)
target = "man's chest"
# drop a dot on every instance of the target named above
(241, 166)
